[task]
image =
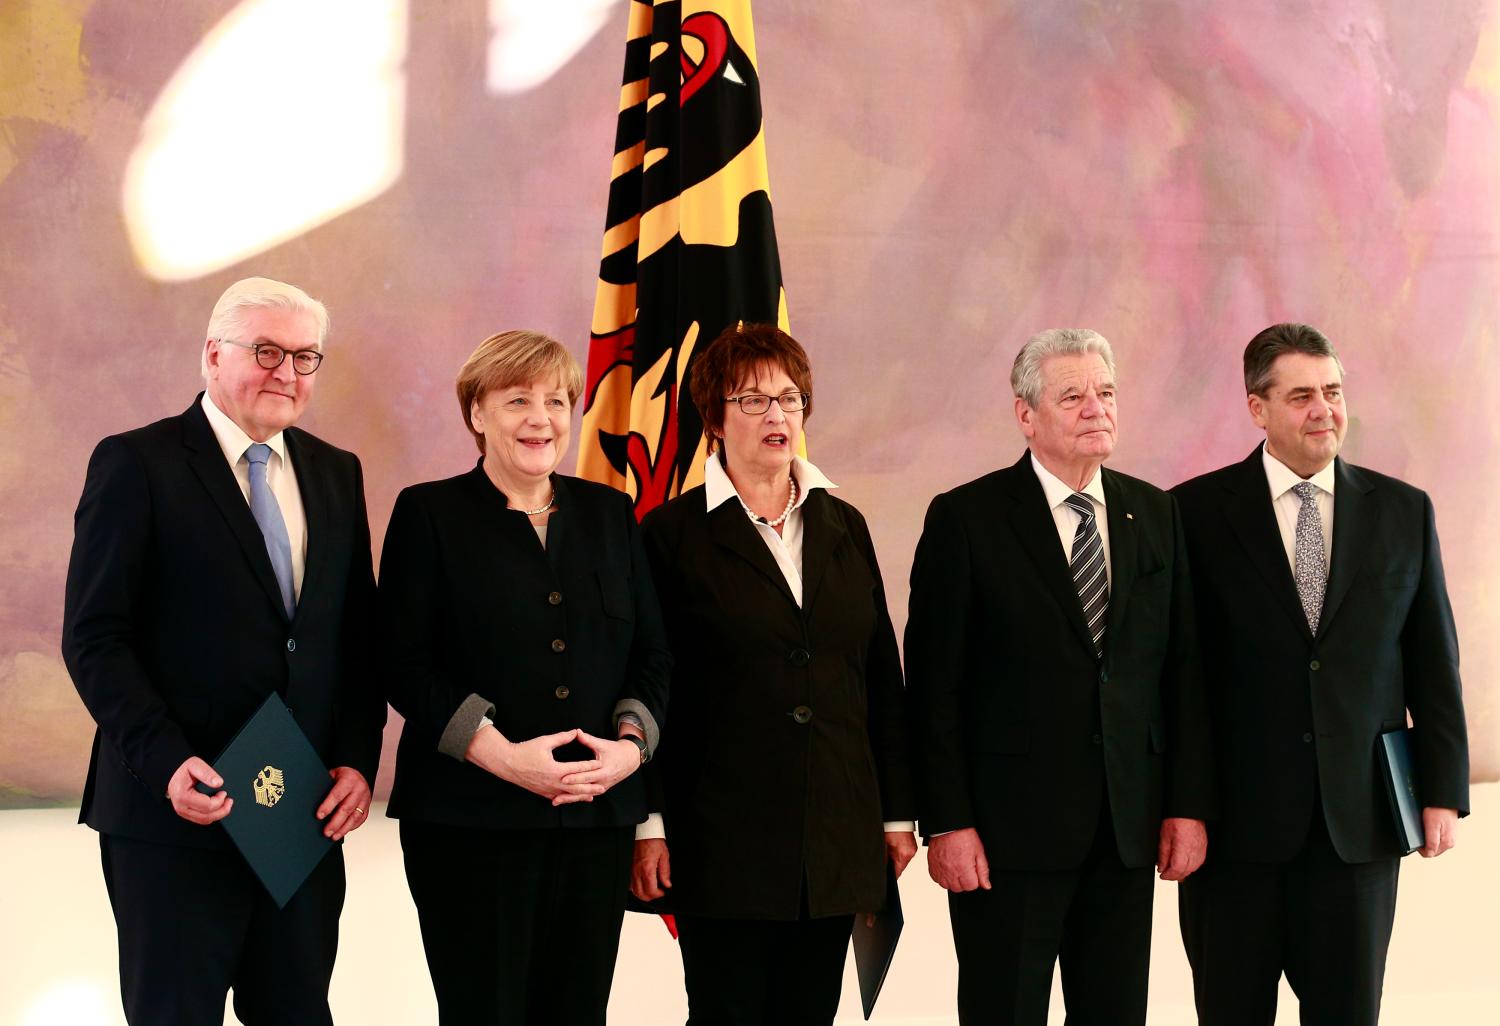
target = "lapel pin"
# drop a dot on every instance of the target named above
(1129, 516)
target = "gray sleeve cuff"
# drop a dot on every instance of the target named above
(461, 726)
(644, 717)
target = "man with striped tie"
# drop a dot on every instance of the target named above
(1059, 729)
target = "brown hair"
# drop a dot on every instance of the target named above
(515, 358)
(1276, 341)
(734, 357)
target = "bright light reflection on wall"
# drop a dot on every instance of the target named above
(531, 40)
(72, 1002)
(288, 114)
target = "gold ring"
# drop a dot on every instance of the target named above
(359, 810)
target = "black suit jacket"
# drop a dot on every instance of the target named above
(554, 638)
(1296, 716)
(787, 750)
(1019, 729)
(173, 626)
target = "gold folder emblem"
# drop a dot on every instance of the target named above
(270, 785)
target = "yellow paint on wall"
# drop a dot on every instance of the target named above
(43, 76)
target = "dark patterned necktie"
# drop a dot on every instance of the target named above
(1311, 569)
(1087, 564)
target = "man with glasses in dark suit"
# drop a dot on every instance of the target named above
(219, 556)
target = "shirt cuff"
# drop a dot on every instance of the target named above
(653, 828)
(459, 732)
(643, 719)
(900, 826)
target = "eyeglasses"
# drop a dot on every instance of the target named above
(755, 404)
(270, 356)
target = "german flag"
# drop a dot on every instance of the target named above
(689, 243)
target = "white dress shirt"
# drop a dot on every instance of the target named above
(1285, 502)
(785, 548)
(1067, 518)
(279, 475)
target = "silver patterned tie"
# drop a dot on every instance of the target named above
(1087, 564)
(1311, 571)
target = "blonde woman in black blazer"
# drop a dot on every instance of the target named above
(524, 647)
(784, 789)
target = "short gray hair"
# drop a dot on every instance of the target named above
(1026, 372)
(1276, 341)
(230, 312)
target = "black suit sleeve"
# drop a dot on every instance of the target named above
(938, 628)
(1434, 692)
(1191, 786)
(887, 720)
(361, 700)
(410, 600)
(650, 669)
(107, 578)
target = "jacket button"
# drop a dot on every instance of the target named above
(801, 714)
(291, 644)
(1307, 738)
(558, 644)
(555, 598)
(800, 657)
(1314, 665)
(1103, 676)
(561, 691)
(1097, 739)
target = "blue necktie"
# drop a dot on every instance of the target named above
(267, 513)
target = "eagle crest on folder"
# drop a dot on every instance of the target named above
(270, 785)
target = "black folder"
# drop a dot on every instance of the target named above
(1401, 787)
(875, 936)
(277, 782)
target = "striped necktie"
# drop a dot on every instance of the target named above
(1087, 564)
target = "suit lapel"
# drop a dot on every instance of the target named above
(316, 510)
(733, 531)
(208, 463)
(1248, 510)
(822, 532)
(1031, 520)
(1352, 522)
(1122, 551)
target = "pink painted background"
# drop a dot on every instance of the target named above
(948, 178)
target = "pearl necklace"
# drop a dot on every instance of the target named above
(541, 509)
(791, 500)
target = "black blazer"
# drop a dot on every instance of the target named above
(787, 750)
(554, 638)
(1296, 717)
(173, 627)
(1018, 729)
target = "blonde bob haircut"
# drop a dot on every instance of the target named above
(515, 358)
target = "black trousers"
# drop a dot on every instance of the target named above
(1324, 922)
(751, 972)
(194, 925)
(519, 926)
(1095, 920)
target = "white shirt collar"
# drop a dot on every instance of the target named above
(1056, 491)
(719, 489)
(232, 438)
(1283, 479)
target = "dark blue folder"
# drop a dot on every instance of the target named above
(1401, 788)
(277, 782)
(875, 936)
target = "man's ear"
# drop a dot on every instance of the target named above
(1257, 407)
(1024, 417)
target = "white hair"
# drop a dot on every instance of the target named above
(1026, 372)
(247, 294)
